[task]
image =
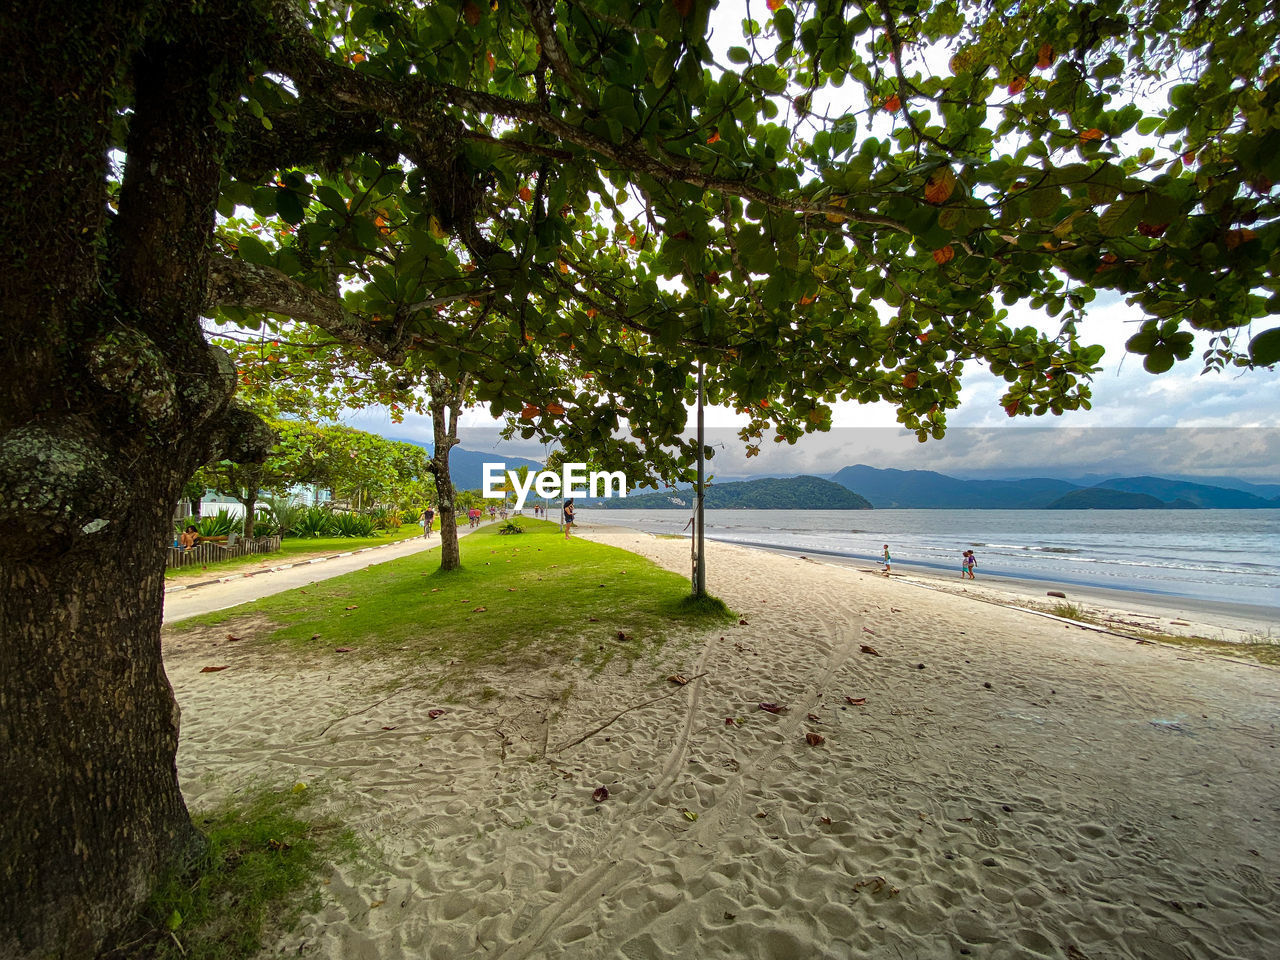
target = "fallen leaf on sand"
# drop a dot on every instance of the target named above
(234, 639)
(432, 714)
(815, 718)
(742, 623)
(825, 820)
(871, 650)
(678, 679)
(730, 722)
(376, 904)
(773, 707)
(479, 609)
(435, 589)
(593, 619)
(856, 701)
(354, 606)
(868, 630)
(689, 815)
(342, 649)
(211, 669)
(315, 636)
(623, 636)
(600, 794)
(388, 728)
(813, 739)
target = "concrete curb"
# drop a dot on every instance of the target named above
(285, 566)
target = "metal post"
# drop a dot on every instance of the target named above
(700, 578)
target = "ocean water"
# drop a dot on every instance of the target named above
(1230, 556)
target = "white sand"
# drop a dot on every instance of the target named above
(1100, 799)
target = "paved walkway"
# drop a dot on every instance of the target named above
(191, 601)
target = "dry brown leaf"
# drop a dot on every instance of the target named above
(678, 679)
(856, 701)
(600, 794)
(813, 739)
(212, 669)
(871, 650)
(773, 707)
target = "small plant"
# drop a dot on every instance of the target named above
(313, 522)
(410, 516)
(352, 525)
(221, 524)
(511, 526)
(258, 873)
(385, 518)
(278, 517)
(1068, 611)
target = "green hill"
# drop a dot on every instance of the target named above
(1103, 498)
(767, 493)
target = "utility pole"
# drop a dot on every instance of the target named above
(700, 562)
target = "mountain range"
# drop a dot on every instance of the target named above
(921, 489)
(924, 489)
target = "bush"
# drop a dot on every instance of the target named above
(352, 525)
(279, 516)
(511, 526)
(385, 518)
(410, 516)
(313, 522)
(221, 524)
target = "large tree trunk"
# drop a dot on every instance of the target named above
(111, 398)
(90, 730)
(445, 433)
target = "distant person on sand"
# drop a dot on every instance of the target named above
(970, 561)
(428, 516)
(568, 518)
(887, 561)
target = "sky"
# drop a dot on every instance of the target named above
(1178, 423)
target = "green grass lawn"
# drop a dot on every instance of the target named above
(531, 598)
(293, 547)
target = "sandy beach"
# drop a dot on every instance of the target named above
(989, 783)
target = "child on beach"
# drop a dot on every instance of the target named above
(970, 561)
(885, 571)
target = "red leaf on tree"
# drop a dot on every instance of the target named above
(471, 13)
(1093, 133)
(1011, 408)
(555, 409)
(940, 186)
(1044, 57)
(526, 194)
(944, 255)
(715, 137)
(911, 380)
(529, 412)
(893, 104)
(1017, 86)
(775, 4)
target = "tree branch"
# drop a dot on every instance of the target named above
(235, 283)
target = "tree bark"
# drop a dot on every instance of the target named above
(444, 425)
(111, 399)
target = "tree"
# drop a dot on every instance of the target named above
(571, 203)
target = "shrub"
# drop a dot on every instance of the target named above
(313, 522)
(352, 525)
(410, 516)
(511, 526)
(221, 524)
(279, 516)
(385, 518)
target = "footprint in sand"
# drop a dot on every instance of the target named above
(987, 836)
(1252, 883)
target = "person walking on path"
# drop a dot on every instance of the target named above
(427, 518)
(887, 561)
